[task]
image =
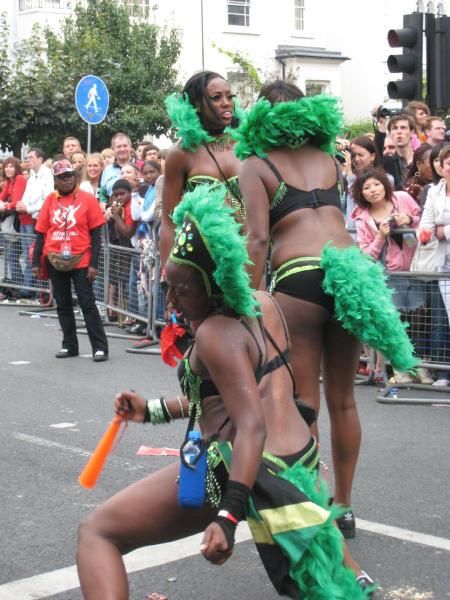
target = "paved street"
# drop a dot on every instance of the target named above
(54, 412)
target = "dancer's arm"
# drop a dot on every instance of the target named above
(257, 205)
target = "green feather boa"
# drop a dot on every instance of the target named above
(226, 245)
(363, 303)
(316, 120)
(185, 120)
(321, 574)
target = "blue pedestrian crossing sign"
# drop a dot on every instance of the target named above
(92, 99)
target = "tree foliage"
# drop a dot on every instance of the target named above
(134, 58)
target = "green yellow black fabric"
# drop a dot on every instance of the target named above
(294, 532)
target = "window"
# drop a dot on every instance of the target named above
(138, 8)
(299, 15)
(239, 13)
(46, 4)
(317, 87)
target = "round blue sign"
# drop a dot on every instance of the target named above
(92, 99)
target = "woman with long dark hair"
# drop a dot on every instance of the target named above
(203, 116)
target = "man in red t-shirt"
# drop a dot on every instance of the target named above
(69, 236)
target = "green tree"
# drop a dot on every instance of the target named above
(134, 58)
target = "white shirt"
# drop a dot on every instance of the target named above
(39, 186)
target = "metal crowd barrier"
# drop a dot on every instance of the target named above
(423, 300)
(128, 285)
(17, 285)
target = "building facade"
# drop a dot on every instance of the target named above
(322, 45)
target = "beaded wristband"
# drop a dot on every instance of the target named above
(155, 413)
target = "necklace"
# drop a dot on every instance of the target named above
(221, 142)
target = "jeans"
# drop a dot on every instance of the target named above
(133, 304)
(26, 241)
(12, 248)
(440, 329)
(62, 291)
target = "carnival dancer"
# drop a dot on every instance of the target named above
(203, 117)
(261, 458)
(330, 294)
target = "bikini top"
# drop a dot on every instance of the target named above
(233, 196)
(288, 198)
(197, 388)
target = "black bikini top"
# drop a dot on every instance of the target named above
(208, 388)
(288, 198)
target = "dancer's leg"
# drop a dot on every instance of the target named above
(341, 356)
(144, 513)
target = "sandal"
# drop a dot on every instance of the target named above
(366, 583)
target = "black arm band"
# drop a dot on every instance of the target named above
(235, 498)
(228, 528)
(96, 245)
(38, 246)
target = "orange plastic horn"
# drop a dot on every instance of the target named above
(89, 475)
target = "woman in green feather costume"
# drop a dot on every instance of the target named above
(202, 116)
(262, 461)
(331, 295)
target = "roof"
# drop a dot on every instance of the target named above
(308, 52)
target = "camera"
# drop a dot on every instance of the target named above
(392, 223)
(382, 111)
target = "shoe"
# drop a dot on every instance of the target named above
(145, 343)
(366, 583)
(129, 322)
(100, 356)
(138, 329)
(347, 525)
(423, 375)
(441, 383)
(65, 353)
(403, 377)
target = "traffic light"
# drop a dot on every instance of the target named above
(410, 38)
(438, 64)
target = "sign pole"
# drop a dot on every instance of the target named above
(89, 138)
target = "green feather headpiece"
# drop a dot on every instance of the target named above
(208, 239)
(315, 120)
(185, 120)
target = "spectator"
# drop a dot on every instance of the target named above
(380, 215)
(419, 174)
(108, 156)
(435, 130)
(150, 152)
(388, 146)
(139, 154)
(69, 235)
(436, 220)
(70, 145)
(122, 228)
(162, 155)
(438, 323)
(121, 147)
(91, 176)
(420, 113)
(10, 195)
(401, 128)
(39, 185)
(130, 173)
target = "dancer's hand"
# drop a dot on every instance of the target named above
(130, 406)
(214, 546)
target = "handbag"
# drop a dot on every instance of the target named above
(424, 258)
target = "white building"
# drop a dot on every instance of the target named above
(324, 45)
